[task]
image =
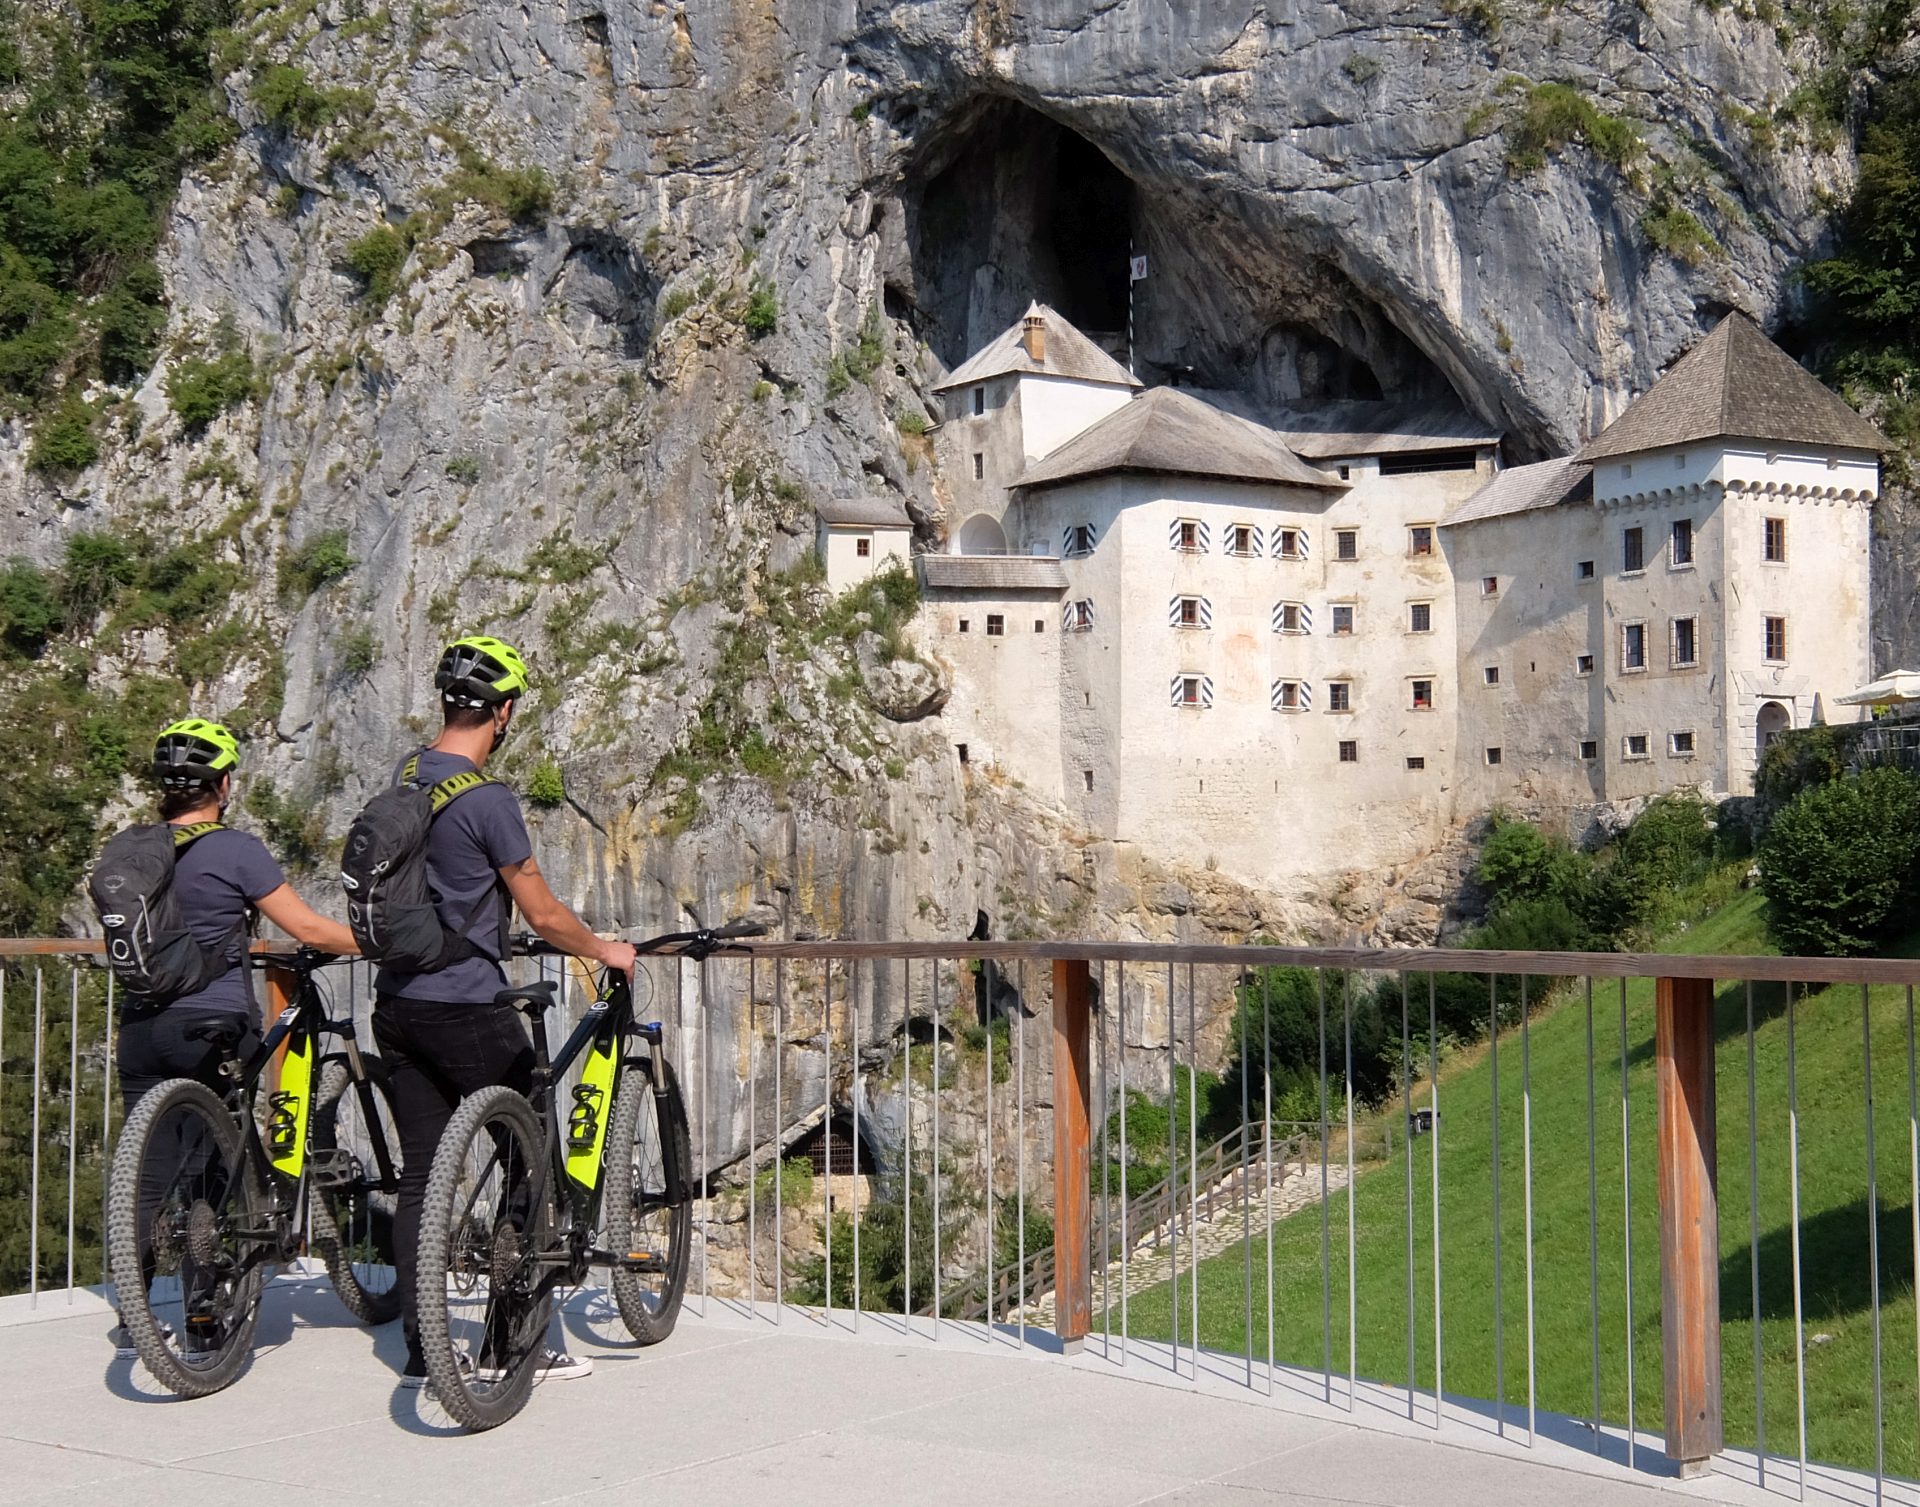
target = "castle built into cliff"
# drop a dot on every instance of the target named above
(1300, 641)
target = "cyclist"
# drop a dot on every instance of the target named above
(441, 1033)
(223, 880)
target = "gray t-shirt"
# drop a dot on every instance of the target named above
(472, 839)
(218, 880)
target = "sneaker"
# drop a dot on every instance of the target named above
(123, 1345)
(557, 1365)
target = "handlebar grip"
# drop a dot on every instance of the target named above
(742, 928)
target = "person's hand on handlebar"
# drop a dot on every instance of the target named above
(620, 956)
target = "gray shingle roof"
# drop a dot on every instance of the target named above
(1521, 489)
(1738, 384)
(1332, 431)
(991, 573)
(1175, 434)
(872, 512)
(1068, 354)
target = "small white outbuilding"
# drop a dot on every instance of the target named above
(857, 536)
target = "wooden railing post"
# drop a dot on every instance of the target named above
(1072, 1163)
(1683, 1040)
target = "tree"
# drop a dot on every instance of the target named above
(1838, 865)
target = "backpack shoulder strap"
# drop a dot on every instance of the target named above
(186, 836)
(454, 786)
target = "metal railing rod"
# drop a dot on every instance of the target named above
(73, 1108)
(938, 1222)
(993, 1275)
(1526, 1168)
(1326, 1232)
(826, 1125)
(1753, 1249)
(33, 1204)
(1433, 1103)
(1593, 1225)
(1913, 1187)
(1193, 1165)
(906, 1177)
(1246, 1191)
(1266, 1144)
(1353, 1270)
(1173, 1151)
(1626, 1217)
(780, 1125)
(1499, 1282)
(1126, 1236)
(1020, 1148)
(1873, 1245)
(1406, 1107)
(853, 1093)
(1799, 1314)
(753, 1133)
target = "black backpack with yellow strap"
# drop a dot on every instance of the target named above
(149, 948)
(390, 903)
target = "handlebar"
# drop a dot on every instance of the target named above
(303, 959)
(697, 944)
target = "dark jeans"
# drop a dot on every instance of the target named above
(438, 1054)
(177, 1044)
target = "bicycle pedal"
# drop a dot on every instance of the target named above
(641, 1261)
(334, 1167)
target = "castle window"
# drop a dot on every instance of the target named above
(1583, 664)
(979, 466)
(1419, 617)
(996, 625)
(1188, 536)
(1292, 696)
(1077, 617)
(1633, 646)
(1193, 691)
(961, 749)
(979, 401)
(1774, 544)
(1589, 748)
(966, 625)
(1189, 612)
(1633, 549)
(1039, 625)
(1686, 645)
(1343, 620)
(1087, 775)
(1423, 695)
(1490, 674)
(1339, 695)
(1290, 544)
(1077, 540)
(1243, 540)
(1420, 539)
(1680, 542)
(1292, 617)
(1680, 745)
(1634, 746)
(1774, 640)
(1346, 544)
(1414, 761)
(1583, 570)
(1346, 473)
(1489, 586)
(863, 548)
(1493, 756)
(1349, 751)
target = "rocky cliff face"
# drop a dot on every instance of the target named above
(566, 312)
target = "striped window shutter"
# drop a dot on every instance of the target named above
(1306, 696)
(1200, 533)
(1077, 617)
(1280, 616)
(1177, 687)
(1204, 546)
(1078, 539)
(1256, 540)
(1202, 606)
(1278, 686)
(1259, 540)
(1306, 551)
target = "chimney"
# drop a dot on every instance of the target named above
(1034, 337)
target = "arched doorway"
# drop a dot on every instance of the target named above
(982, 535)
(1774, 719)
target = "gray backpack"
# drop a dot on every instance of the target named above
(390, 903)
(149, 948)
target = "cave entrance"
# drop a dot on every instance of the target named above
(1014, 207)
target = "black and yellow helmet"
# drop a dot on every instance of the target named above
(479, 671)
(194, 751)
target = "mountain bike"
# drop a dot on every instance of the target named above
(527, 1194)
(209, 1192)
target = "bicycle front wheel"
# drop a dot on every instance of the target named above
(187, 1238)
(352, 1214)
(648, 1134)
(483, 1299)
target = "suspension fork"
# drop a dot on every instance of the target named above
(675, 1174)
(369, 1109)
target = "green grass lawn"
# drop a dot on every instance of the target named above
(1833, 1224)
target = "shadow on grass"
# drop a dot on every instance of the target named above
(1835, 1273)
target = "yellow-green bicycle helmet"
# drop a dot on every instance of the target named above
(480, 671)
(194, 751)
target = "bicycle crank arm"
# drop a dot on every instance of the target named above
(630, 1261)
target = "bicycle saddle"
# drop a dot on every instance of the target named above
(533, 998)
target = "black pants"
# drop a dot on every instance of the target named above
(438, 1054)
(176, 1044)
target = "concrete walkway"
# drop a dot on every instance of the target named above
(735, 1409)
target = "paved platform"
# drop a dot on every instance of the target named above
(736, 1408)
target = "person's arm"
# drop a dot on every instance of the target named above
(286, 910)
(547, 915)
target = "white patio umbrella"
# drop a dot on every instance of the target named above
(1895, 687)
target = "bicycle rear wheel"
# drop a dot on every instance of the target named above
(352, 1217)
(186, 1213)
(646, 1130)
(483, 1302)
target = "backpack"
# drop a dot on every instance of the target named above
(390, 903)
(149, 947)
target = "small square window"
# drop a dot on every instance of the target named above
(1039, 625)
(1423, 695)
(1189, 534)
(1680, 542)
(1346, 473)
(1190, 690)
(1633, 549)
(1419, 617)
(1636, 746)
(1493, 756)
(1290, 545)
(1584, 570)
(1349, 751)
(1686, 643)
(1343, 620)
(1420, 539)
(863, 548)
(1286, 696)
(1339, 696)
(996, 625)
(1079, 540)
(1489, 586)
(1774, 640)
(1290, 617)
(1774, 545)
(1589, 748)
(1490, 674)
(1189, 612)
(979, 466)
(966, 625)
(979, 400)
(1415, 761)
(1583, 664)
(1346, 544)
(1241, 540)
(1680, 745)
